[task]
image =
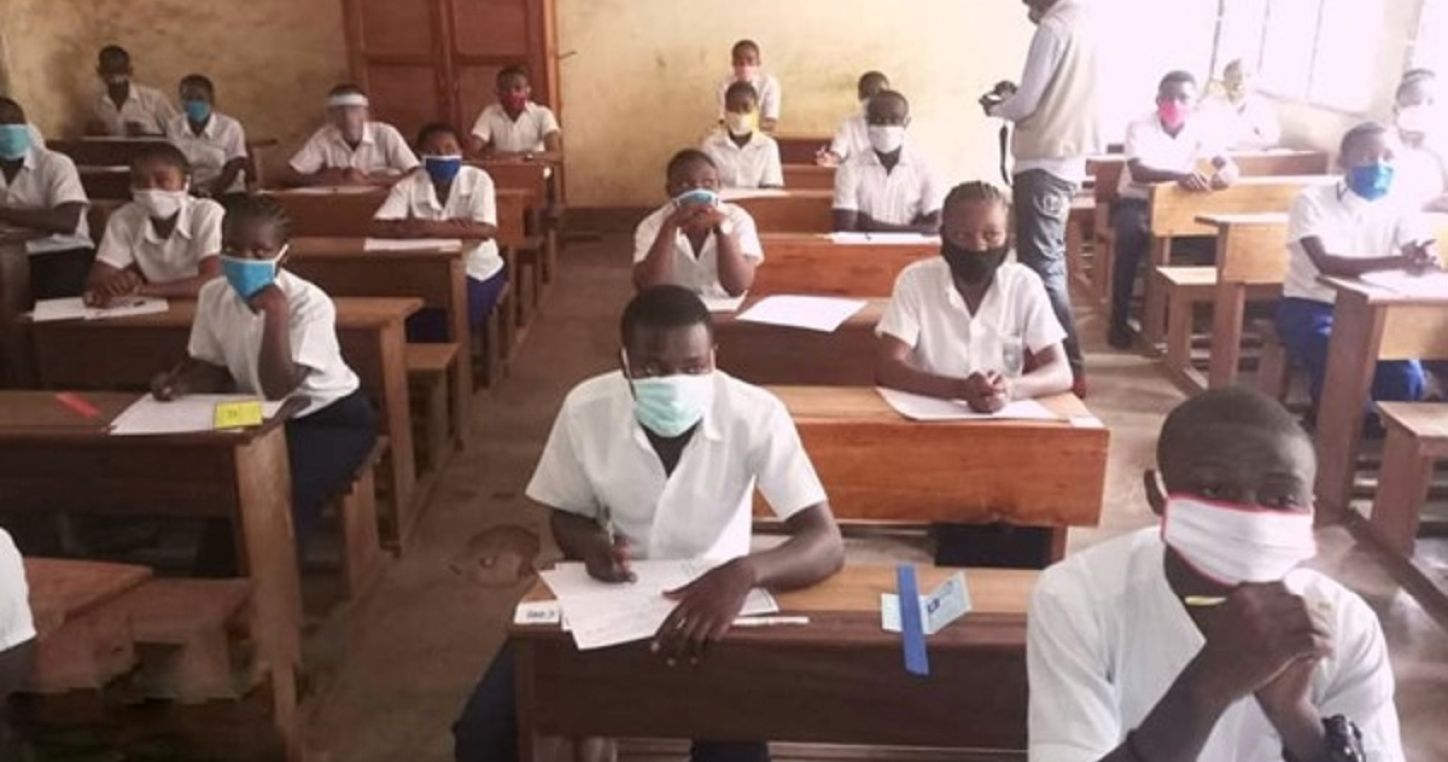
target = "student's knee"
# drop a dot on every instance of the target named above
(1399, 381)
(488, 726)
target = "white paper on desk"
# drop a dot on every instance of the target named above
(815, 313)
(724, 303)
(1430, 284)
(949, 601)
(328, 190)
(849, 238)
(73, 308)
(188, 414)
(735, 194)
(918, 407)
(903, 238)
(412, 244)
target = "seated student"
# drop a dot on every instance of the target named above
(745, 157)
(448, 199)
(964, 325)
(213, 142)
(515, 125)
(695, 240)
(17, 640)
(1422, 162)
(1163, 147)
(746, 59)
(165, 242)
(261, 330)
(853, 137)
(351, 149)
(1246, 120)
(1202, 638)
(40, 190)
(669, 451)
(124, 108)
(1348, 228)
(889, 188)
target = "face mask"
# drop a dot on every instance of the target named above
(746, 73)
(442, 169)
(671, 405)
(886, 138)
(196, 111)
(116, 80)
(972, 266)
(697, 197)
(741, 124)
(248, 276)
(1232, 544)
(159, 204)
(514, 100)
(1371, 181)
(1172, 114)
(1416, 120)
(14, 141)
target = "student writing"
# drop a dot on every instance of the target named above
(852, 137)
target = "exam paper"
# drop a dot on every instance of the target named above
(328, 190)
(918, 407)
(876, 239)
(73, 308)
(815, 313)
(945, 604)
(188, 414)
(412, 244)
(1430, 284)
(735, 194)
(724, 303)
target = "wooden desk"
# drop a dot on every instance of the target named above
(347, 213)
(841, 668)
(1252, 254)
(787, 211)
(104, 151)
(15, 300)
(801, 149)
(804, 263)
(767, 354)
(809, 176)
(106, 182)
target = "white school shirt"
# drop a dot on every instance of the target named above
(765, 86)
(48, 179)
(1106, 637)
(1421, 176)
(700, 273)
(228, 334)
(1148, 141)
(1349, 226)
(382, 149)
(523, 135)
(145, 105)
(470, 198)
(1250, 125)
(131, 239)
(16, 623)
(756, 165)
(852, 138)
(220, 141)
(598, 459)
(898, 196)
(927, 312)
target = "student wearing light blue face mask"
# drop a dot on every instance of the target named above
(41, 190)
(213, 142)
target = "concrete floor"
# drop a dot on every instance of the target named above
(391, 675)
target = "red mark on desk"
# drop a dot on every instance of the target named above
(78, 404)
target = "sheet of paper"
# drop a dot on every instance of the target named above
(412, 244)
(1431, 284)
(849, 239)
(73, 308)
(192, 413)
(47, 310)
(917, 407)
(735, 194)
(328, 190)
(903, 238)
(945, 604)
(815, 313)
(538, 612)
(724, 303)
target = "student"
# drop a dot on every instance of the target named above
(213, 142)
(695, 240)
(40, 190)
(448, 199)
(745, 157)
(1165, 146)
(124, 108)
(165, 242)
(746, 59)
(261, 330)
(17, 639)
(1246, 119)
(852, 137)
(889, 188)
(969, 325)
(351, 149)
(515, 125)
(669, 451)
(1345, 229)
(1203, 638)
(1422, 163)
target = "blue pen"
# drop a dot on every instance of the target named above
(912, 632)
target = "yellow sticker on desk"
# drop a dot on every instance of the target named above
(236, 415)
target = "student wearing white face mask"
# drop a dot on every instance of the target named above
(1422, 165)
(852, 138)
(744, 156)
(891, 187)
(746, 59)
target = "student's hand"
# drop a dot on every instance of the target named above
(1195, 182)
(1253, 638)
(412, 226)
(607, 562)
(269, 300)
(1221, 181)
(710, 219)
(1004, 89)
(166, 386)
(1418, 258)
(684, 217)
(826, 158)
(707, 608)
(980, 394)
(998, 390)
(354, 176)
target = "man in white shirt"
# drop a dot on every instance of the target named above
(17, 637)
(351, 149)
(515, 125)
(745, 157)
(746, 59)
(660, 460)
(891, 187)
(1246, 119)
(213, 142)
(1422, 161)
(41, 190)
(852, 137)
(1203, 639)
(124, 108)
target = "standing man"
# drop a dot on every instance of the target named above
(1055, 113)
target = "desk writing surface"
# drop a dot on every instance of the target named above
(865, 404)
(793, 211)
(344, 247)
(1174, 209)
(43, 412)
(771, 354)
(812, 263)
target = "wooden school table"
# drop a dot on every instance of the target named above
(838, 679)
(787, 211)
(106, 182)
(120, 151)
(813, 263)
(540, 180)
(768, 354)
(801, 149)
(14, 301)
(809, 177)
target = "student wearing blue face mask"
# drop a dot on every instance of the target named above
(41, 190)
(213, 142)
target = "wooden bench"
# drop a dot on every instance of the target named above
(1417, 439)
(1185, 288)
(775, 355)
(81, 643)
(357, 516)
(802, 263)
(801, 149)
(186, 632)
(430, 370)
(787, 211)
(809, 177)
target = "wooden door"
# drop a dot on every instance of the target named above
(396, 56)
(488, 35)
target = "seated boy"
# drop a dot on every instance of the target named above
(669, 451)
(1201, 638)
(351, 149)
(1422, 164)
(852, 138)
(17, 639)
(40, 190)
(695, 240)
(124, 108)
(213, 142)
(746, 60)
(889, 188)
(970, 325)
(745, 157)
(1246, 119)
(515, 125)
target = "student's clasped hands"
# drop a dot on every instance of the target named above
(1419, 258)
(697, 218)
(986, 392)
(123, 283)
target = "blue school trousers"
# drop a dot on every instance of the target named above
(1305, 327)
(429, 325)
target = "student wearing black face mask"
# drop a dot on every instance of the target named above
(970, 325)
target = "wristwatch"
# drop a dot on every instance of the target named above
(726, 227)
(1344, 740)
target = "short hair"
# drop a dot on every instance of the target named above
(1413, 78)
(7, 104)
(514, 70)
(113, 52)
(250, 208)
(744, 45)
(741, 88)
(1232, 406)
(976, 192)
(893, 95)
(199, 80)
(685, 158)
(162, 153)
(1419, 74)
(434, 128)
(346, 88)
(1359, 133)
(870, 77)
(1177, 77)
(663, 307)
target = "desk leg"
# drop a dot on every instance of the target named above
(1403, 484)
(392, 353)
(530, 748)
(1228, 311)
(1102, 255)
(1153, 315)
(462, 334)
(14, 300)
(1352, 353)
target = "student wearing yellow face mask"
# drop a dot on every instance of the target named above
(745, 156)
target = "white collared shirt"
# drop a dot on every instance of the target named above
(765, 86)
(699, 273)
(852, 138)
(145, 105)
(522, 135)
(1149, 142)
(1349, 226)
(16, 623)
(48, 179)
(220, 141)
(598, 459)
(470, 198)
(1421, 176)
(1249, 125)
(382, 149)
(756, 165)
(228, 334)
(131, 239)
(900, 196)
(1106, 637)
(928, 313)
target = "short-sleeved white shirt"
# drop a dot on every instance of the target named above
(765, 86)
(598, 459)
(16, 622)
(1349, 226)
(700, 273)
(382, 149)
(898, 196)
(523, 135)
(145, 105)
(1421, 176)
(1106, 637)
(228, 334)
(470, 198)
(852, 138)
(927, 312)
(755, 165)
(131, 239)
(220, 141)
(1250, 125)
(48, 179)
(1148, 141)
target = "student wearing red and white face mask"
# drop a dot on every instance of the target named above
(747, 67)
(515, 125)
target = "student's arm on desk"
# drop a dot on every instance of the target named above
(64, 218)
(413, 227)
(581, 538)
(1193, 181)
(229, 172)
(105, 282)
(1414, 257)
(192, 376)
(893, 370)
(849, 220)
(208, 269)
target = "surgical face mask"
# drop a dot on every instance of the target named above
(14, 141)
(972, 266)
(671, 405)
(1231, 543)
(159, 204)
(514, 100)
(442, 169)
(697, 197)
(1173, 114)
(116, 80)
(1371, 181)
(748, 73)
(197, 110)
(248, 276)
(741, 124)
(1418, 120)
(886, 138)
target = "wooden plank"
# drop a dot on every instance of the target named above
(801, 149)
(106, 182)
(1174, 209)
(347, 213)
(796, 263)
(63, 588)
(809, 177)
(103, 151)
(788, 211)
(775, 355)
